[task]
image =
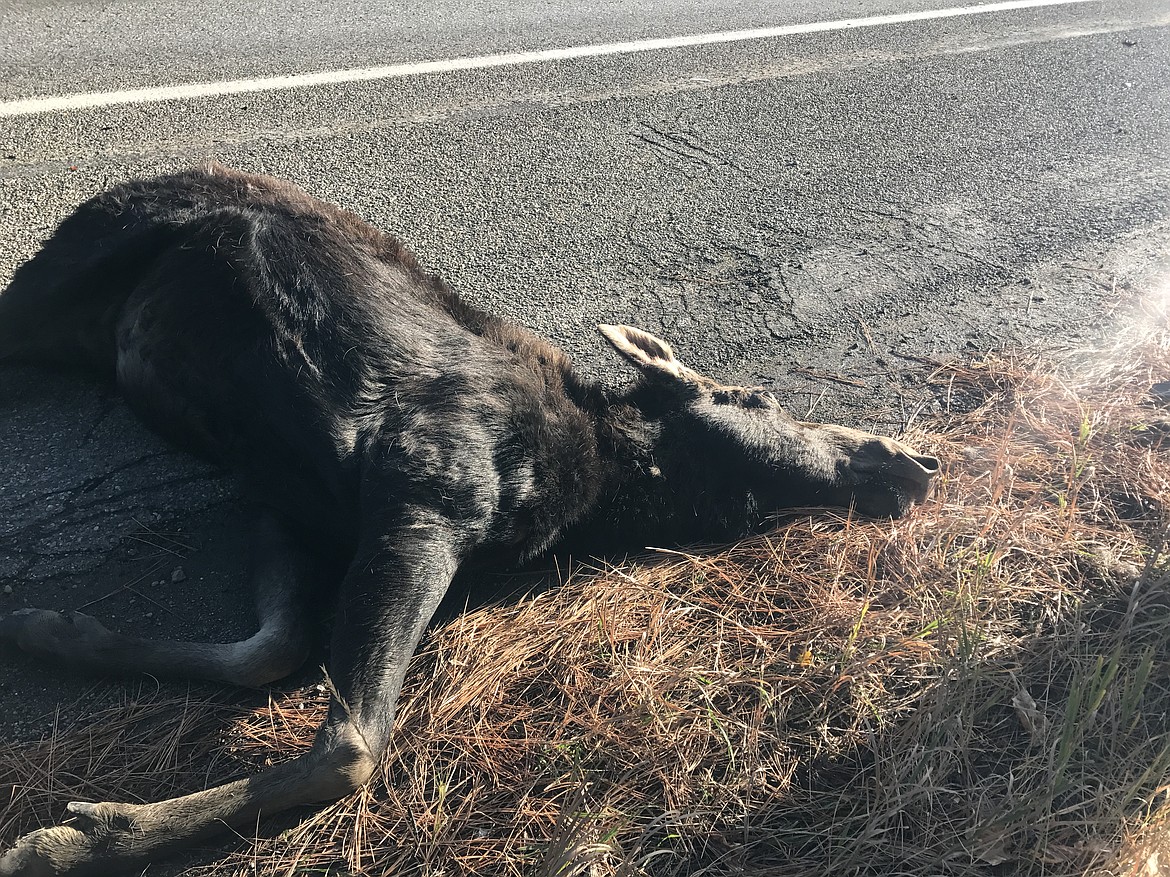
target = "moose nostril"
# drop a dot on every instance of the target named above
(930, 464)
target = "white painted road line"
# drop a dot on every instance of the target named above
(29, 106)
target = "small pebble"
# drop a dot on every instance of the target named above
(8, 589)
(177, 575)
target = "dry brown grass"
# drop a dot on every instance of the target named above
(979, 689)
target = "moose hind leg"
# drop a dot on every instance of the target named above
(283, 574)
(389, 594)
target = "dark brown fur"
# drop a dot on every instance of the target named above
(373, 414)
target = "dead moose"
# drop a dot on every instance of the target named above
(371, 412)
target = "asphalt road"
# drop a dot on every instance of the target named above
(51, 46)
(816, 212)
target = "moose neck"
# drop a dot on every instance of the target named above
(653, 492)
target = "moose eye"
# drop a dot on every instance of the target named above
(742, 398)
(755, 400)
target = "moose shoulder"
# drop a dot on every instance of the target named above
(371, 412)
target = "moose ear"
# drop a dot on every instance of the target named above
(649, 353)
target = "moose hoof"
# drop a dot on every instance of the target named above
(50, 634)
(100, 841)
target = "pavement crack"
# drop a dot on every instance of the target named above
(87, 486)
(109, 405)
(691, 141)
(92, 483)
(687, 146)
(153, 486)
(74, 513)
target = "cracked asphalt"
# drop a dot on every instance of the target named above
(824, 213)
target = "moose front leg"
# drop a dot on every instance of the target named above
(390, 593)
(109, 839)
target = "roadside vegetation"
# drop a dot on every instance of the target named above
(980, 689)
